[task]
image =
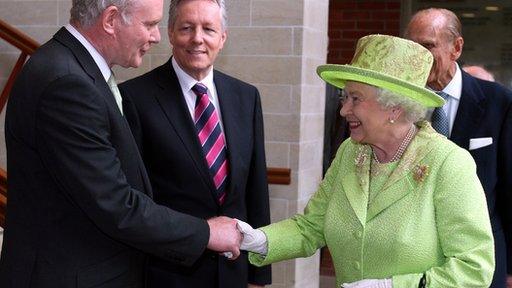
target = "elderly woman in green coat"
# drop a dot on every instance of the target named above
(401, 205)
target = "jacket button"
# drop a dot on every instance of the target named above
(358, 234)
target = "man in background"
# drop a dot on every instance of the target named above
(478, 72)
(80, 212)
(201, 136)
(478, 117)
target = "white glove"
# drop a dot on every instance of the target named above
(254, 240)
(370, 283)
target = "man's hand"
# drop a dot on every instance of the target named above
(509, 281)
(224, 236)
(254, 286)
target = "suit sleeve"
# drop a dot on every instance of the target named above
(464, 229)
(504, 186)
(258, 211)
(73, 134)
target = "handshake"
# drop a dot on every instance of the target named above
(229, 236)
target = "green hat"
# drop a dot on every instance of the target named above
(398, 65)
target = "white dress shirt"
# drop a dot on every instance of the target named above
(187, 82)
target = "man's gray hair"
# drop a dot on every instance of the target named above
(86, 12)
(173, 12)
(413, 111)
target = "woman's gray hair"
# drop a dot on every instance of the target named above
(86, 12)
(413, 111)
(173, 12)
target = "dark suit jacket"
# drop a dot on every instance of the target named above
(162, 125)
(485, 110)
(80, 210)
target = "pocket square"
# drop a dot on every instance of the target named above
(476, 143)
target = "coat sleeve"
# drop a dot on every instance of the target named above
(463, 226)
(301, 235)
(258, 211)
(73, 134)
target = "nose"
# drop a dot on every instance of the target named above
(346, 106)
(155, 35)
(197, 37)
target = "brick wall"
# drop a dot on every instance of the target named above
(350, 20)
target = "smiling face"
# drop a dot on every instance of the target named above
(197, 36)
(366, 118)
(135, 37)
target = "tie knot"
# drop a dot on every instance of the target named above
(443, 94)
(199, 89)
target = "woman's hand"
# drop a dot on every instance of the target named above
(370, 283)
(254, 240)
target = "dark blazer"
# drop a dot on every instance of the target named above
(80, 211)
(162, 126)
(485, 110)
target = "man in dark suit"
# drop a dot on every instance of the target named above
(80, 212)
(200, 133)
(478, 117)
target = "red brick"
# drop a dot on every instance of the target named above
(356, 15)
(393, 5)
(354, 34)
(393, 25)
(347, 54)
(372, 5)
(370, 25)
(341, 44)
(345, 5)
(386, 15)
(342, 25)
(334, 34)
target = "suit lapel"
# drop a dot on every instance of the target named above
(469, 113)
(230, 107)
(175, 108)
(356, 185)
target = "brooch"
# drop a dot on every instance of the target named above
(420, 172)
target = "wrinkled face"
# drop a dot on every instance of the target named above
(197, 36)
(365, 116)
(138, 35)
(430, 34)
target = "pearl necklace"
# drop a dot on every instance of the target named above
(401, 149)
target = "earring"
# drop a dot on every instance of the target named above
(392, 121)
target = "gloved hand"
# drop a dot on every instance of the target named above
(370, 283)
(254, 240)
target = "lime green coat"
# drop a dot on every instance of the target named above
(430, 217)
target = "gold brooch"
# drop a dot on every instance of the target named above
(420, 172)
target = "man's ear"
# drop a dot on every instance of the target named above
(109, 19)
(458, 44)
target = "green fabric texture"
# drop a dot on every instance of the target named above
(429, 217)
(388, 62)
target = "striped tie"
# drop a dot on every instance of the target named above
(212, 140)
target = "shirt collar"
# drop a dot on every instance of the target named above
(454, 88)
(187, 81)
(98, 59)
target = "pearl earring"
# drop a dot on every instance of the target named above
(392, 121)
